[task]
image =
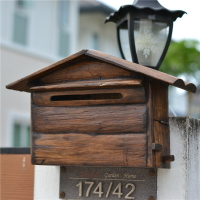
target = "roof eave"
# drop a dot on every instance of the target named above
(24, 84)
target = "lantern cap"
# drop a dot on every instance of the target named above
(144, 5)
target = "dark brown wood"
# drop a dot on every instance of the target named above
(85, 70)
(190, 87)
(125, 95)
(94, 72)
(160, 115)
(95, 150)
(16, 177)
(90, 119)
(106, 83)
(169, 158)
(149, 98)
(24, 84)
(155, 74)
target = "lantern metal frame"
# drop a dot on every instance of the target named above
(143, 9)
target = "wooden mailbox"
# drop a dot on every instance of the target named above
(95, 109)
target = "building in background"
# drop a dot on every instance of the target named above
(35, 34)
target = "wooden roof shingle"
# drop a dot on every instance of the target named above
(24, 83)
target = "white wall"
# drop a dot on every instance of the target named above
(46, 182)
(15, 65)
(106, 32)
(44, 27)
(6, 18)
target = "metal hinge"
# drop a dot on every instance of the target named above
(156, 147)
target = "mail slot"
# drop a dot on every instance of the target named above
(93, 109)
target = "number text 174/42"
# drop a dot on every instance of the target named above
(98, 190)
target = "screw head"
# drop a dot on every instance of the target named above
(63, 169)
(152, 172)
(62, 194)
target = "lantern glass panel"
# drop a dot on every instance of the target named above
(124, 41)
(150, 40)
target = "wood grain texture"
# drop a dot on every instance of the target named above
(86, 69)
(127, 95)
(83, 149)
(106, 83)
(169, 158)
(90, 119)
(17, 177)
(25, 83)
(155, 74)
(149, 99)
(161, 130)
(101, 61)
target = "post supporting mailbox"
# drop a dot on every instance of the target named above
(93, 109)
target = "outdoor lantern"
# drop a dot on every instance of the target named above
(144, 31)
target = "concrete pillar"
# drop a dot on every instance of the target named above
(182, 181)
(46, 182)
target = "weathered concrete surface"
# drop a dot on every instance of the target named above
(182, 181)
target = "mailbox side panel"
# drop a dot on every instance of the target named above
(161, 134)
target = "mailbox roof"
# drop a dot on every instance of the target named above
(24, 84)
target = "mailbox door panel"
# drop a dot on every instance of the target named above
(107, 119)
(95, 150)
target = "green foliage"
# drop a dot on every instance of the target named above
(183, 58)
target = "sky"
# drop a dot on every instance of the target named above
(187, 27)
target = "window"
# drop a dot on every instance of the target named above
(21, 22)
(64, 15)
(95, 41)
(64, 34)
(18, 129)
(64, 43)
(21, 134)
(20, 29)
(21, 3)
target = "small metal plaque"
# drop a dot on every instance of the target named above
(97, 183)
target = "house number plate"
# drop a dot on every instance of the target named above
(99, 183)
